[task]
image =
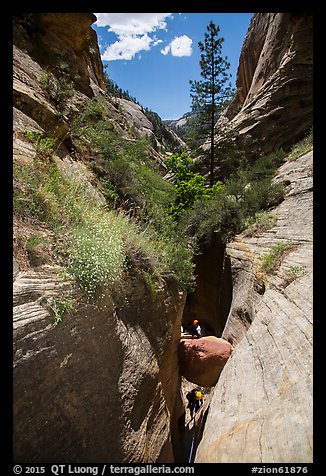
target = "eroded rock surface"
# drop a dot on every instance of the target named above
(275, 81)
(100, 386)
(261, 409)
(103, 384)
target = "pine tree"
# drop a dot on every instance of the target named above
(212, 93)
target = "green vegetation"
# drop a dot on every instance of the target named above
(302, 147)
(128, 175)
(259, 223)
(58, 88)
(61, 307)
(146, 222)
(26, 182)
(98, 244)
(236, 202)
(131, 181)
(273, 259)
(188, 185)
(34, 245)
(293, 273)
(44, 145)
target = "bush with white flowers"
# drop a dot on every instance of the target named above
(97, 256)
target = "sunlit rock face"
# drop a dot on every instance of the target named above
(274, 104)
(261, 409)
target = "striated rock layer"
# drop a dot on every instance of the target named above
(100, 386)
(103, 385)
(275, 80)
(261, 409)
(57, 68)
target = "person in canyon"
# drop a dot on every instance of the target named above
(195, 399)
(196, 330)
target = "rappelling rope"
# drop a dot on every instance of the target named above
(193, 438)
(193, 441)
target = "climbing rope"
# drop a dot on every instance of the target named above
(193, 440)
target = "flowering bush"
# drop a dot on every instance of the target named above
(97, 256)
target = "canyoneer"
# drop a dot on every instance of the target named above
(195, 399)
(196, 330)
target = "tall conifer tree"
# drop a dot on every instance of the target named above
(210, 94)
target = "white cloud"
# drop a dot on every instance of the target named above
(166, 50)
(132, 23)
(157, 41)
(180, 46)
(126, 47)
(132, 30)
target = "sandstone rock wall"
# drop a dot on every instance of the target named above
(57, 68)
(210, 301)
(103, 385)
(62, 43)
(261, 409)
(100, 386)
(275, 79)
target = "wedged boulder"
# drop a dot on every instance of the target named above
(201, 360)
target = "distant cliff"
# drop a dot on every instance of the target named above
(180, 125)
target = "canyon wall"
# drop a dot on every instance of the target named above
(273, 108)
(103, 384)
(261, 407)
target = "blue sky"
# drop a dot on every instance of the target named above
(154, 55)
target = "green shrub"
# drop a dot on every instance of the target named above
(93, 111)
(164, 253)
(26, 183)
(259, 223)
(59, 89)
(293, 273)
(251, 184)
(188, 185)
(247, 192)
(97, 244)
(61, 307)
(273, 259)
(217, 213)
(126, 167)
(44, 145)
(302, 147)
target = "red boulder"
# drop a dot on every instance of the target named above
(201, 360)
